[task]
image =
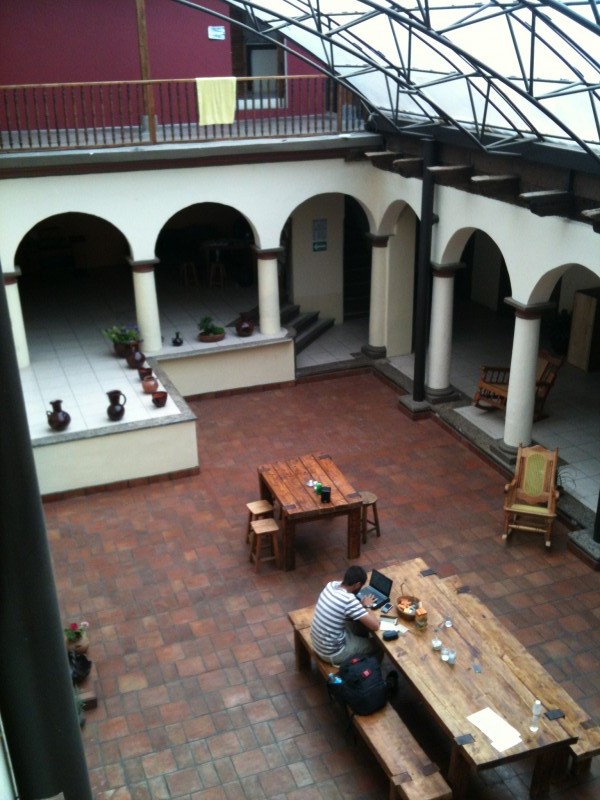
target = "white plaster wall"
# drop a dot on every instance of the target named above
(232, 369)
(140, 203)
(531, 245)
(100, 460)
(318, 277)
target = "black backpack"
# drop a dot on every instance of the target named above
(362, 688)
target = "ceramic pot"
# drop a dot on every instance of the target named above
(149, 384)
(57, 418)
(116, 408)
(245, 324)
(121, 349)
(144, 372)
(79, 645)
(210, 337)
(135, 357)
(159, 399)
(177, 341)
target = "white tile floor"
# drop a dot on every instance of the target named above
(72, 361)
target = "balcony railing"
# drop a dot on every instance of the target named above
(133, 113)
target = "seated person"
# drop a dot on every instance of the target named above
(342, 622)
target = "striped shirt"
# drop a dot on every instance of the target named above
(334, 607)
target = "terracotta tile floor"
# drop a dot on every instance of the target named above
(198, 694)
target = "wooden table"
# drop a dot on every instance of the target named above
(492, 670)
(286, 483)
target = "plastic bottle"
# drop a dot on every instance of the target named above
(334, 678)
(535, 716)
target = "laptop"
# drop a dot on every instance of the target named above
(379, 586)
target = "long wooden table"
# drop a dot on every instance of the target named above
(287, 483)
(492, 670)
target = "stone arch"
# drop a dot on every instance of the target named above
(186, 244)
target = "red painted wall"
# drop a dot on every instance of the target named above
(64, 41)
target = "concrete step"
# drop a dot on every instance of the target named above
(310, 333)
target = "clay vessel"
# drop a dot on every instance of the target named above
(159, 399)
(149, 384)
(116, 408)
(57, 418)
(135, 357)
(244, 326)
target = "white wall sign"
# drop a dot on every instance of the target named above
(319, 235)
(216, 32)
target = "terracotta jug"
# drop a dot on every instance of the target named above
(135, 357)
(57, 418)
(244, 326)
(149, 384)
(116, 408)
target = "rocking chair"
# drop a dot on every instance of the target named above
(530, 503)
(492, 389)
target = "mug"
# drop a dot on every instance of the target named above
(159, 399)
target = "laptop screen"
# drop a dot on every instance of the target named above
(381, 583)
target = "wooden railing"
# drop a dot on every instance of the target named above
(123, 114)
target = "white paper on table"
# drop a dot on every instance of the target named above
(389, 624)
(502, 735)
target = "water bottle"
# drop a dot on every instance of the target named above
(535, 716)
(334, 678)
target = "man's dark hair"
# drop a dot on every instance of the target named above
(354, 574)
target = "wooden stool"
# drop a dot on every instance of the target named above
(263, 532)
(256, 510)
(369, 500)
(216, 274)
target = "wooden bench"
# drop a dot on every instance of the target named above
(576, 720)
(412, 774)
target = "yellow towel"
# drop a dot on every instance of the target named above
(216, 100)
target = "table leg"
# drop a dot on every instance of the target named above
(542, 773)
(289, 544)
(265, 493)
(354, 532)
(458, 773)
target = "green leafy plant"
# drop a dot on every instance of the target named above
(76, 630)
(123, 334)
(208, 328)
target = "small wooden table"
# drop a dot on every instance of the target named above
(286, 482)
(493, 670)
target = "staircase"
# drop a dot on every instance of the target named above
(303, 326)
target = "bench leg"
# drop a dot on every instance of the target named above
(458, 774)
(302, 654)
(581, 766)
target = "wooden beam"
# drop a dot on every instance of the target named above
(548, 203)
(496, 184)
(140, 8)
(382, 159)
(593, 215)
(451, 175)
(409, 167)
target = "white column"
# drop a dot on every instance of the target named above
(146, 305)
(268, 291)
(377, 310)
(440, 329)
(15, 312)
(520, 401)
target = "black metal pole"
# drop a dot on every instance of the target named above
(36, 694)
(597, 522)
(423, 271)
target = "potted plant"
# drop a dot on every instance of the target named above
(122, 337)
(76, 636)
(209, 331)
